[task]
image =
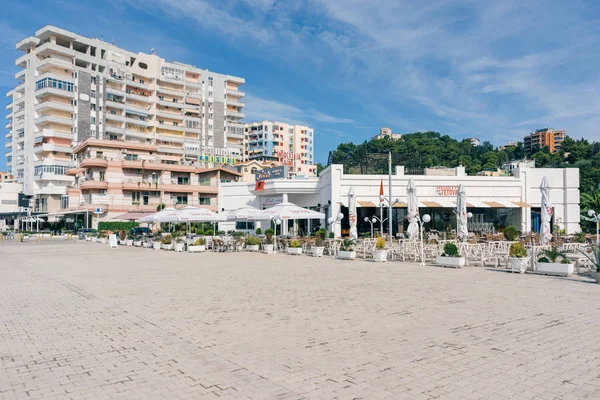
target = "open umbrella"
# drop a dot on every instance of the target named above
(164, 212)
(413, 210)
(287, 210)
(247, 213)
(352, 214)
(461, 213)
(545, 233)
(191, 214)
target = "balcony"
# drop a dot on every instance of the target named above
(172, 139)
(169, 91)
(138, 109)
(136, 134)
(170, 150)
(96, 199)
(94, 184)
(115, 117)
(49, 48)
(52, 105)
(175, 128)
(169, 114)
(22, 61)
(137, 84)
(235, 93)
(47, 91)
(8, 145)
(20, 88)
(135, 121)
(94, 162)
(114, 104)
(235, 103)
(53, 75)
(171, 104)
(53, 133)
(235, 135)
(48, 147)
(114, 129)
(137, 97)
(234, 114)
(54, 62)
(47, 119)
(115, 91)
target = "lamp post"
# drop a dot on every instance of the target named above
(592, 214)
(382, 200)
(422, 220)
(332, 221)
(276, 221)
(371, 222)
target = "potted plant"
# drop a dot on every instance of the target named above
(579, 237)
(269, 247)
(258, 231)
(595, 250)
(138, 241)
(319, 248)
(451, 257)
(294, 247)
(122, 237)
(517, 257)
(179, 243)
(157, 241)
(129, 240)
(198, 246)
(167, 242)
(252, 243)
(94, 237)
(102, 237)
(549, 265)
(381, 253)
(511, 234)
(347, 250)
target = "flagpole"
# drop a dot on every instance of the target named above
(390, 204)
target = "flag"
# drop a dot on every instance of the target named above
(381, 190)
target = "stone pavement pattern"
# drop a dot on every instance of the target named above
(78, 320)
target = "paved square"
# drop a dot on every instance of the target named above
(78, 320)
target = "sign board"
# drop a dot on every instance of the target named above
(112, 241)
(98, 210)
(287, 157)
(268, 202)
(23, 200)
(271, 173)
(69, 219)
(446, 190)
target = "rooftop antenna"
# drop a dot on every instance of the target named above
(152, 51)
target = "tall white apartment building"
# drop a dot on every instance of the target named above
(285, 144)
(72, 88)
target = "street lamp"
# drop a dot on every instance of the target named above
(371, 222)
(592, 214)
(276, 221)
(423, 220)
(332, 221)
(381, 220)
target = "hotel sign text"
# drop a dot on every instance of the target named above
(446, 190)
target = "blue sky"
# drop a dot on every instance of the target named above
(347, 67)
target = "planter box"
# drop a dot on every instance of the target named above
(179, 246)
(555, 268)
(516, 264)
(252, 247)
(102, 240)
(167, 247)
(197, 249)
(452, 262)
(94, 239)
(346, 255)
(294, 250)
(129, 242)
(137, 243)
(317, 251)
(269, 248)
(380, 255)
(88, 238)
(156, 245)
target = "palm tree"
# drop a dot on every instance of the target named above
(553, 253)
(590, 200)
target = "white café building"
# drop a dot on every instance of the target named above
(494, 201)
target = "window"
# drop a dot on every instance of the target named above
(210, 81)
(172, 73)
(93, 81)
(210, 115)
(210, 94)
(101, 175)
(53, 83)
(175, 123)
(175, 100)
(204, 201)
(145, 198)
(92, 107)
(204, 181)
(135, 198)
(93, 120)
(182, 199)
(161, 98)
(143, 65)
(244, 225)
(53, 169)
(161, 122)
(183, 180)
(142, 81)
(93, 94)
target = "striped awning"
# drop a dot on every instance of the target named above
(430, 204)
(401, 205)
(140, 113)
(362, 203)
(446, 203)
(495, 204)
(476, 204)
(192, 111)
(521, 204)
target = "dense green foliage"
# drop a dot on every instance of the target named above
(116, 226)
(451, 250)
(511, 234)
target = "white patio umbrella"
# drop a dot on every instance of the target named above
(191, 214)
(287, 210)
(545, 233)
(352, 214)
(413, 210)
(247, 213)
(461, 213)
(164, 212)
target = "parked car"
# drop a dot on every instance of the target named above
(140, 231)
(82, 233)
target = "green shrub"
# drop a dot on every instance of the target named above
(209, 232)
(450, 250)
(380, 243)
(237, 234)
(295, 244)
(116, 226)
(167, 239)
(200, 231)
(258, 231)
(347, 245)
(160, 207)
(269, 231)
(553, 253)
(543, 260)
(199, 242)
(252, 241)
(565, 261)
(220, 233)
(579, 237)
(518, 250)
(511, 234)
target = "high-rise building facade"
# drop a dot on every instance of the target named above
(540, 138)
(72, 89)
(285, 144)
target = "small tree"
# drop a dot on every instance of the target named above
(511, 233)
(258, 231)
(450, 250)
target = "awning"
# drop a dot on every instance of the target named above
(141, 114)
(495, 204)
(401, 205)
(366, 203)
(193, 101)
(133, 215)
(521, 204)
(446, 203)
(476, 204)
(430, 204)
(191, 110)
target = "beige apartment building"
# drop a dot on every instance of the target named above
(73, 90)
(283, 144)
(113, 178)
(540, 138)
